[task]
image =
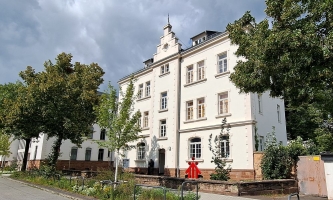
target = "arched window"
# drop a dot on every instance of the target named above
(195, 148)
(88, 154)
(141, 151)
(100, 154)
(102, 136)
(73, 153)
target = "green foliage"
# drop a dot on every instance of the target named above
(61, 99)
(292, 58)
(256, 139)
(117, 117)
(4, 144)
(278, 160)
(221, 173)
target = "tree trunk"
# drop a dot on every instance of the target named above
(55, 152)
(26, 151)
(116, 172)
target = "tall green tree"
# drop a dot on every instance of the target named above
(292, 57)
(63, 96)
(4, 146)
(119, 119)
(19, 115)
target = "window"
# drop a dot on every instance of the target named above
(145, 119)
(109, 153)
(225, 148)
(201, 108)
(35, 155)
(164, 100)
(165, 69)
(201, 70)
(87, 156)
(222, 63)
(278, 113)
(100, 154)
(139, 122)
(163, 128)
(102, 136)
(140, 92)
(141, 151)
(261, 143)
(223, 103)
(195, 148)
(189, 110)
(260, 102)
(91, 133)
(148, 89)
(189, 76)
(73, 155)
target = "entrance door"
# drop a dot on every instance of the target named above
(161, 161)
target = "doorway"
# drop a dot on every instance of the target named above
(161, 161)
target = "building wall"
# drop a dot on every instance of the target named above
(242, 115)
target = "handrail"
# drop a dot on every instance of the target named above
(293, 194)
(182, 189)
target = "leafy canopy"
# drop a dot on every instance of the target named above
(62, 97)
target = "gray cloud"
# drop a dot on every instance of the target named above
(118, 35)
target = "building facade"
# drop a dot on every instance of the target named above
(89, 156)
(184, 94)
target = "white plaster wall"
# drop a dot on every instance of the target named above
(269, 118)
(44, 147)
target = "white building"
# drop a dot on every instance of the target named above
(183, 96)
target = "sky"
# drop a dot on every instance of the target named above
(117, 34)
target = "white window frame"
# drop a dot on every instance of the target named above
(189, 110)
(164, 100)
(195, 148)
(225, 146)
(222, 63)
(260, 103)
(141, 152)
(201, 70)
(139, 121)
(278, 111)
(146, 119)
(163, 128)
(201, 108)
(189, 74)
(147, 88)
(140, 91)
(223, 103)
(164, 69)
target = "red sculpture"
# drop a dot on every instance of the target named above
(193, 171)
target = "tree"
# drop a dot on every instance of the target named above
(219, 155)
(19, 115)
(292, 58)
(63, 97)
(4, 146)
(118, 119)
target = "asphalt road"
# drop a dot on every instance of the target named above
(13, 190)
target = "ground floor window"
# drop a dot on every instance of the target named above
(141, 151)
(195, 148)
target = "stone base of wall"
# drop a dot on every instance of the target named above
(74, 164)
(235, 174)
(285, 186)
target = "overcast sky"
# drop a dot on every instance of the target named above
(117, 34)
